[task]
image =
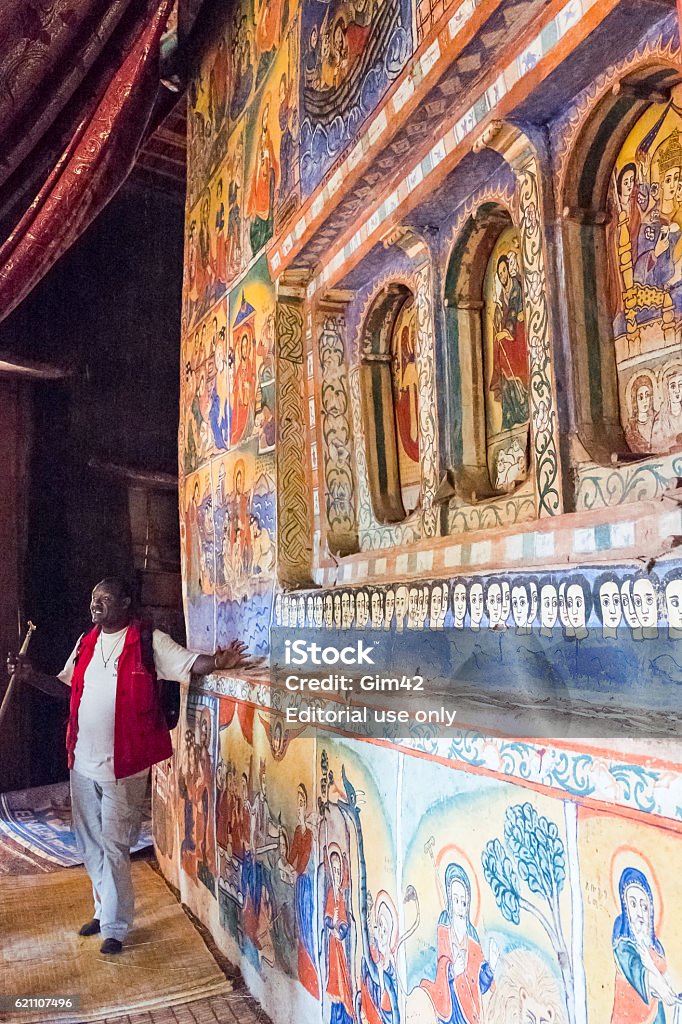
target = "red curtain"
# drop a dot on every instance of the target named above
(113, 104)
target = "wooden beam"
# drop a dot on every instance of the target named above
(142, 477)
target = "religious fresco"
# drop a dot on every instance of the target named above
(164, 809)
(196, 761)
(632, 903)
(205, 252)
(233, 176)
(491, 918)
(251, 359)
(198, 558)
(244, 522)
(207, 117)
(272, 133)
(350, 54)
(506, 364)
(266, 838)
(421, 879)
(593, 603)
(357, 919)
(576, 639)
(405, 383)
(204, 391)
(645, 274)
(257, 31)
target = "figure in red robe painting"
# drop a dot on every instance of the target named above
(241, 537)
(407, 398)
(298, 872)
(268, 15)
(463, 975)
(336, 928)
(264, 182)
(243, 375)
(509, 379)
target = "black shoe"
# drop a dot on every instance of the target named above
(111, 946)
(90, 927)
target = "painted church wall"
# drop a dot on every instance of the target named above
(343, 876)
(429, 878)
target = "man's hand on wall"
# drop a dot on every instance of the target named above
(224, 658)
(233, 656)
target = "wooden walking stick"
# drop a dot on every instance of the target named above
(23, 651)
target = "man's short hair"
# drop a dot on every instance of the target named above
(119, 585)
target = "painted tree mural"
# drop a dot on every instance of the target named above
(534, 853)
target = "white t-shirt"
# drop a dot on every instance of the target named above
(94, 753)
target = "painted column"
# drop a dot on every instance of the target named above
(294, 523)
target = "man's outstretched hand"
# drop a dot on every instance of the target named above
(233, 656)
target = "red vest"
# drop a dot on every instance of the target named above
(141, 736)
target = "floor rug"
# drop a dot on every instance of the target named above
(164, 961)
(39, 819)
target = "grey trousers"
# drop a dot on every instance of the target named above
(106, 818)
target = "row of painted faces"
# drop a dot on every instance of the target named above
(639, 601)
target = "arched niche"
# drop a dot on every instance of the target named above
(486, 335)
(390, 403)
(622, 244)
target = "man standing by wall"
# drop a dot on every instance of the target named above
(116, 731)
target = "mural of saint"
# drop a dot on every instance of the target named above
(243, 371)
(241, 546)
(406, 403)
(506, 363)
(259, 902)
(205, 801)
(379, 979)
(639, 429)
(463, 975)
(509, 377)
(220, 407)
(297, 869)
(268, 15)
(286, 115)
(338, 985)
(234, 247)
(194, 561)
(220, 236)
(205, 264)
(644, 253)
(644, 993)
(187, 777)
(242, 64)
(263, 185)
(217, 87)
(666, 432)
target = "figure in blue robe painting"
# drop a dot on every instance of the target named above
(463, 975)
(219, 413)
(379, 978)
(296, 867)
(643, 992)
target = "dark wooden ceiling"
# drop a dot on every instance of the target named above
(161, 162)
